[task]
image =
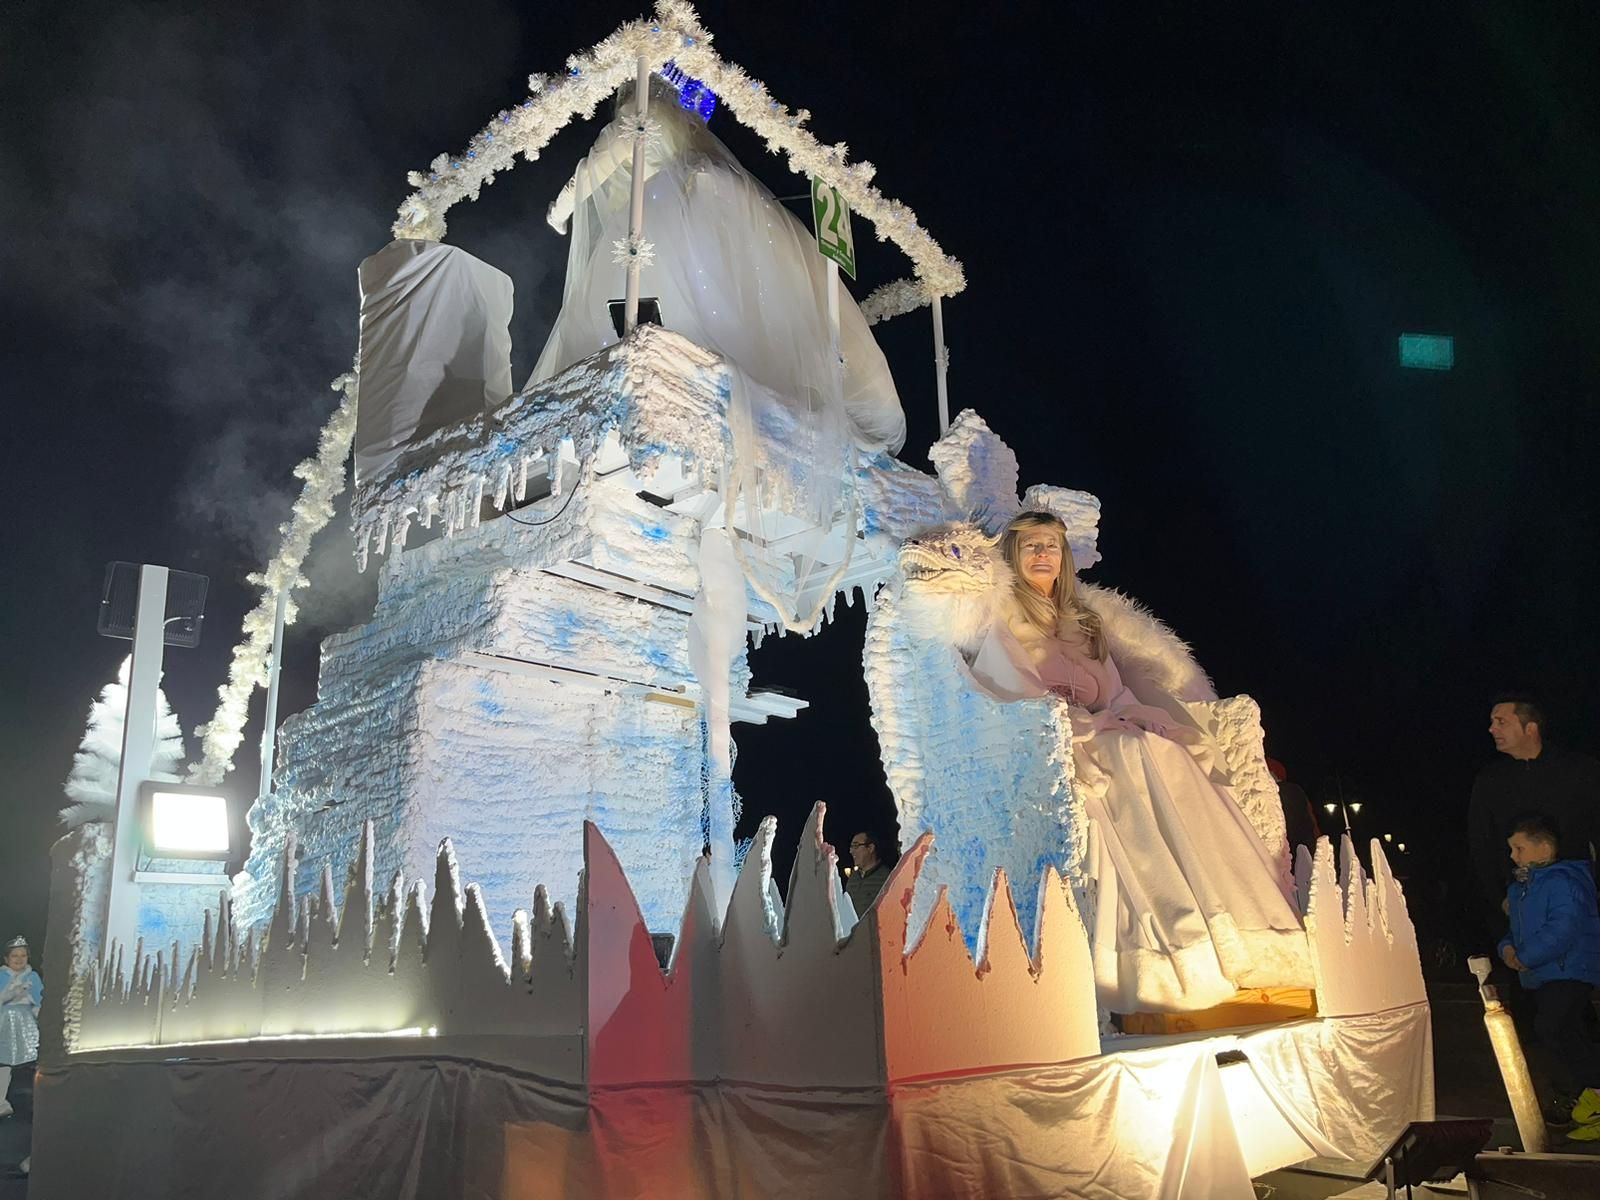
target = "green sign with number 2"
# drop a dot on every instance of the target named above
(832, 220)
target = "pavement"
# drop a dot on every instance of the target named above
(16, 1132)
(1467, 1083)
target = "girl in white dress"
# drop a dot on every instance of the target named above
(1189, 909)
(21, 993)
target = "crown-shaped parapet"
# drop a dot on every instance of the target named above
(793, 995)
(803, 994)
(1363, 945)
(375, 966)
(944, 1014)
(808, 995)
(881, 1034)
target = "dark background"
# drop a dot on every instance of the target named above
(1193, 234)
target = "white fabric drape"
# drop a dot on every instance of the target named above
(435, 348)
(1095, 1129)
(733, 269)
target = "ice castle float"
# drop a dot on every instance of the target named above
(568, 575)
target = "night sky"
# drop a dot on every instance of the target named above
(1192, 239)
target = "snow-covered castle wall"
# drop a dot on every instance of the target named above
(527, 665)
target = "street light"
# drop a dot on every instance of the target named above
(156, 608)
(1342, 806)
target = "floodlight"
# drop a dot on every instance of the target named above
(1401, 846)
(1433, 1151)
(1355, 806)
(649, 312)
(185, 604)
(1331, 808)
(181, 821)
(1388, 837)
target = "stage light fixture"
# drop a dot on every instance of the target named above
(185, 822)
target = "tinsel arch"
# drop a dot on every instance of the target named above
(675, 35)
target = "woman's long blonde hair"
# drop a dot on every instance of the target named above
(1060, 614)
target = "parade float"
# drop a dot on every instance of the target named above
(495, 936)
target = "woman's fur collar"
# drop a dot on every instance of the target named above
(1155, 663)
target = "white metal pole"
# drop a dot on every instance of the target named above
(941, 362)
(641, 99)
(833, 315)
(138, 753)
(269, 724)
(1513, 1066)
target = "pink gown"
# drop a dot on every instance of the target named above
(1188, 907)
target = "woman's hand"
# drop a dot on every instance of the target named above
(1509, 955)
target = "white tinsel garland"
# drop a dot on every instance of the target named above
(893, 300)
(676, 35)
(324, 477)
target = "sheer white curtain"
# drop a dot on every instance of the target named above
(737, 273)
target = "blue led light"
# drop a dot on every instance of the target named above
(693, 95)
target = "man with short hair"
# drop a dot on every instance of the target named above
(1532, 778)
(867, 871)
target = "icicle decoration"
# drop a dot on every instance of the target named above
(676, 35)
(324, 477)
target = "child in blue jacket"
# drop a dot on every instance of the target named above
(1555, 943)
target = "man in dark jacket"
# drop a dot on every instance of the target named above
(1532, 778)
(867, 871)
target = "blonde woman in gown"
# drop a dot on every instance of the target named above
(1189, 908)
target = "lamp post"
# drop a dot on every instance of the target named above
(153, 607)
(1343, 807)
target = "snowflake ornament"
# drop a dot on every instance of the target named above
(627, 252)
(633, 128)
